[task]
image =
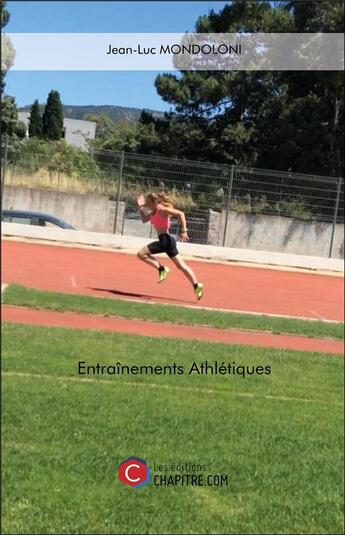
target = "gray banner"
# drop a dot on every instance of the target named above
(164, 52)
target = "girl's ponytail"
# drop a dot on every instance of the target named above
(166, 200)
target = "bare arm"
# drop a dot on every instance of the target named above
(144, 217)
(141, 203)
(182, 220)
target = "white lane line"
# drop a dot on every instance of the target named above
(72, 279)
(317, 315)
(118, 384)
(3, 287)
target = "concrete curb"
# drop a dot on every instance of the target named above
(207, 252)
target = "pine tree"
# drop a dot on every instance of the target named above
(35, 122)
(53, 117)
(9, 115)
(275, 120)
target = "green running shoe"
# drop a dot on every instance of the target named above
(163, 273)
(199, 290)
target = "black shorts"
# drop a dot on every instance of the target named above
(166, 244)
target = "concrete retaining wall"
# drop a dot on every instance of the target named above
(82, 211)
(91, 212)
(276, 234)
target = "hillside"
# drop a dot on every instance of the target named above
(116, 113)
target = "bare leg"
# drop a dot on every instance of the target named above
(186, 270)
(145, 255)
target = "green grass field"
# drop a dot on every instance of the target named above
(29, 297)
(278, 436)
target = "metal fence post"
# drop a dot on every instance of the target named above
(335, 217)
(4, 167)
(118, 194)
(232, 172)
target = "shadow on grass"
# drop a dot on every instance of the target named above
(139, 295)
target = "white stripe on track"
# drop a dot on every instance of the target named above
(317, 315)
(3, 287)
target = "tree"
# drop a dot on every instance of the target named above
(9, 119)
(123, 137)
(5, 16)
(281, 120)
(20, 130)
(105, 125)
(7, 50)
(314, 16)
(35, 121)
(53, 117)
(57, 157)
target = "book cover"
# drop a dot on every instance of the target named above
(172, 267)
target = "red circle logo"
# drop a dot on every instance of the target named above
(134, 472)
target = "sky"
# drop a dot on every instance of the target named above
(122, 88)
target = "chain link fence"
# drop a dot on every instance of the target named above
(224, 205)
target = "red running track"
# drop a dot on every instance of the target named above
(119, 275)
(73, 320)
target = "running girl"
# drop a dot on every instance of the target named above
(161, 210)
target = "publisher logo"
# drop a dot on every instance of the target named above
(134, 472)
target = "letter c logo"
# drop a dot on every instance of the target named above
(134, 472)
(128, 469)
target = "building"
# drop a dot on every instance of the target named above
(76, 132)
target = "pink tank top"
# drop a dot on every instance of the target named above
(160, 221)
